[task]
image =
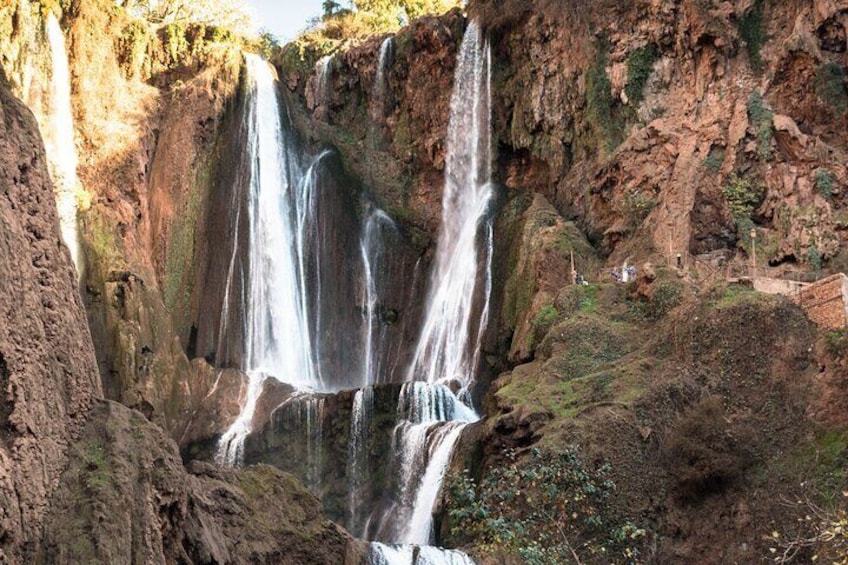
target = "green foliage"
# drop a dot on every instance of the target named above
(637, 206)
(830, 85)
(824, 182)
(547, 508)
(231, 14)
(640, 64)
(546, 316)
(267, 44)
(667, 296)
(752, 32)
(836, 342)
(341, 26)
(599, 102)
(761, 117)
(743, 197)
(715, 159)
(813, 258)
(98, 474)
(176, 43)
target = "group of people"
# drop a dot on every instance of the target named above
(623, 274)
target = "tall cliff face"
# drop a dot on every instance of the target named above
(48, 376)
(640, 119)
(87, 480)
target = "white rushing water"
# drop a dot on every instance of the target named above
(372, 252)
(324, 68)
(381, 82)
(450, 339)
(277, 337)
(362, 413)
(59, 142)
(382, 554)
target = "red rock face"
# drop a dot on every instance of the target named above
(48, 375)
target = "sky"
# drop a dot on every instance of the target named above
(285, 18)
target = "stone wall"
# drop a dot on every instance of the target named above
(826, 302)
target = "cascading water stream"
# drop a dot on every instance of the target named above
(432, 416)
(362, 413)
(277, 337)
(372, 251)
(456, 311)
(59, 142)
(285, 331)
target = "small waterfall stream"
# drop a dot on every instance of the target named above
(59, 142)
(277, 332)
(458, 304)
(292, 294)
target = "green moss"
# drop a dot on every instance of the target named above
(761, 118)
(715, 159)
(830, 86)
(97, 474)
(545, 318)
(600, 108)
(640, 64)
(824, 182)
(752, 32)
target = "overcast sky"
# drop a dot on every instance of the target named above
(285, 18)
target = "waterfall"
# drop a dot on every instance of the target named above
(372, 251)
(59, 142)
(382, 554)
(277, 337)
(324, 68)
(455, 319)
(381, 82)
(431, 419)
(362, 413)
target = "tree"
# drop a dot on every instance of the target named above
(230, 14)
(547, 508)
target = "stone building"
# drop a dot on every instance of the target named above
(826, 301)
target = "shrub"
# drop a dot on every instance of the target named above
(743, 197)
(814, 258)
(637, 206)
(761, 118)
(715, 159)
(640, 64)
(824, 182)
(599, 102)
(752, 32)
(545, 318)
(830, 85)
(701, 453)
(548, 508)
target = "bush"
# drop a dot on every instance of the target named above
(702, 454)
(545, 318)
(743, 197)
(548, 508)
(640, 64)
(761, 118)
(824, 182)
(599, 102)
(830, 85)
(752, 32)
(715, 159)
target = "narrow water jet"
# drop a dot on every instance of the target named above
(372, 250)
(59, 142)
(362, 412)
(277, 337)
(381, 81)
(458, 300)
